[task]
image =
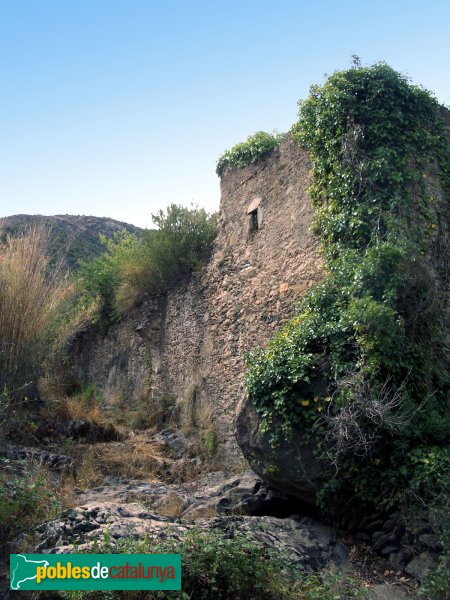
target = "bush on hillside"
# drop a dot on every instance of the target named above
(101, 277)
(158, 260)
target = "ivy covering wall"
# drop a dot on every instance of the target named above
(255, 147)
(361, 367)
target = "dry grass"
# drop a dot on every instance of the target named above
(136, 459)
(56, 383)
(142, 413)
(35, 296)
(88, 471)
(85, 406)
(156, 412)
(76, 408)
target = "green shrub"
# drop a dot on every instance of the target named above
(183, 243)
(430, 468)
(365, 352)
(254, 148)
(17, 498)
(100, 278)
(436, 584)
(220, 565)
(24, 500)
(158, 260)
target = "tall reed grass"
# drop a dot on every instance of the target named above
(38, 306)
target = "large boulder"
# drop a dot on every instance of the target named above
(291, 467)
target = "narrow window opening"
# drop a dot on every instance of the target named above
(254, 215)
(253, 218)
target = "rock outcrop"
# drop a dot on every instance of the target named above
(20, 459)
(212, 494)
(110, 513)
(291, 467)
(117, 511)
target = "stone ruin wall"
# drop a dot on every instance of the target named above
(189, 345)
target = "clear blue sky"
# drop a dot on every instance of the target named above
(119, 107)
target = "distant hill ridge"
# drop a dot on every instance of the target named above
(77, 236)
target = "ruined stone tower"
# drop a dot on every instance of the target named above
(186, 348)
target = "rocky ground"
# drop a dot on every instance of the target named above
(118, 508)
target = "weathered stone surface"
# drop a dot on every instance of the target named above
(136, 508)
(371, 522)
(77, 429)
(214, 493)
(402, 557)
(431, 541)
(419, 527)
(26, 458)
(391, 538)
(175, 441)
(373, 526)
(388, 550)
(308, 545)
(92, 432)
(420, 566)
(384, 591)
(291, 467)
(408, 540)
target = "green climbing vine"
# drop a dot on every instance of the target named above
(366, 347)
(255, 147)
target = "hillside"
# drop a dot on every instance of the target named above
(75, 235)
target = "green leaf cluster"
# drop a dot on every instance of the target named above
(100, 278)
(381, 180)
(254, 148)
(24, 500)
